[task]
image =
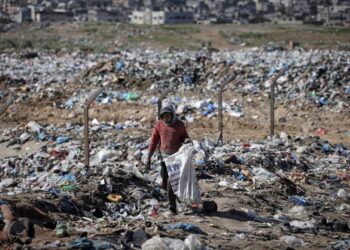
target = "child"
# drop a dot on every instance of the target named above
(171, 134)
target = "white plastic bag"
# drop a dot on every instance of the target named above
(104, 155)
(182, 176)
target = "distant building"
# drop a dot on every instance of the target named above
(103, 15)
(11, 7)
(24, 15)
(53, 16)
(264, 6)
(167, 16)
(284, 19)
(156, 12)
(4, 18)
(330, 18)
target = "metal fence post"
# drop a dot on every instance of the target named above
(86, 127)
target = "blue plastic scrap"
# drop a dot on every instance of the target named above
(273, 70)
(210, 108)
(62, 139)
(3, 202)
(239, 176)
(322, 101)
(119, 126)
(347, 90)
(70, 104)
(187, 80)
(102, 245)
(186, 227)
(43, 137)
(81, 244)
(120, 65)
(299, 200)
(68, 178)
(326, 148)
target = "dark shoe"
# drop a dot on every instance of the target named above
(164, 186)
(173, 210)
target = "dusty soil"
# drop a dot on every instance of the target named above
(296, 122)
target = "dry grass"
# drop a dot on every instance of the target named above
(102, 37)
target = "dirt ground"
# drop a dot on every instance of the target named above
(253, 126)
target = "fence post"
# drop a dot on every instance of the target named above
(7, 104)
(220, 140)
(272, 100)
(86, 127)
(272, 109)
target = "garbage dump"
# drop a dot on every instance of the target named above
(288, 191)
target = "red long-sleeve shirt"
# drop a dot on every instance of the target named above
(171, 137)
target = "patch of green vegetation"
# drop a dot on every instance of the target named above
(90, 29)
(281, 27)
(163, 38)
(26, 44)
(326, 30)
(336, 31)
(50, 30)
(181, 28)
(109, 35)
(6, 43)
(224, 34)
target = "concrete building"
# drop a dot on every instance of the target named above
(103, 15)
(53, 16)
(10, 7)
(167, 16)
(4, 18)
(284, 19)
(264, 6)
(329, 17)
(24, 15)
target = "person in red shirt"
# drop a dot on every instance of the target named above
(170, 133)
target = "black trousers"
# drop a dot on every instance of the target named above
(166, 186)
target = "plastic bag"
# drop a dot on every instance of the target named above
(193, 242)
(182, 176)
(104, 155)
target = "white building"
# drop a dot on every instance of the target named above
(168, 16)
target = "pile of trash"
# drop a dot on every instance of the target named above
(316, 77)
(285, 190)
(116, 190)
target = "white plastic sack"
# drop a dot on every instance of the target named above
(156, 243)
(193, 242)
(34, 127)
(182, 176)
(104, 155)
